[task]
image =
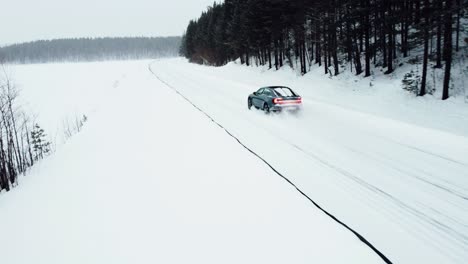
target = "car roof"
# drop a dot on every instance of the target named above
(277, 86)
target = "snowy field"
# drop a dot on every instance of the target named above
(150, 179)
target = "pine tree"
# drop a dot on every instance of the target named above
(40, 144)
(366, 33)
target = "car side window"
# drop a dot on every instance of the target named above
(267, 92)
(260, 91)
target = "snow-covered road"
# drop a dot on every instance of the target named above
(403, 186)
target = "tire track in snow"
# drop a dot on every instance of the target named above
(388, 161)
(425, 218)
(358, 235)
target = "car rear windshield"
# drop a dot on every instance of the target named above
(283, 91)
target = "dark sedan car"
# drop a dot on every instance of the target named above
(275, 98)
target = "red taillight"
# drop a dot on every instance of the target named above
(278, 100)
(282, 101)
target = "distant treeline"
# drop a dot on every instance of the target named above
(90, 49)
(328, 33)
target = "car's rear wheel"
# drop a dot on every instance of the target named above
(266, 108)
(249, 103)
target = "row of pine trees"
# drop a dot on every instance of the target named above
(329, 33)
(90, 49)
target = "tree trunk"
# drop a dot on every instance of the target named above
(391, 36)
(383, 36)
(426, 25)
(29, 146)
(325, 46)
(276, 55)
(367, 37)
(390, 50)
(458, 25)
(447, 48)
(311, 53)
(349, 42)
(4, 182)
(318, 45)
(281, 53)
(269, 59)
(334, 49)
(247, 58)
(405, 28)
(439, 37)
(304, 56)
(357, 53)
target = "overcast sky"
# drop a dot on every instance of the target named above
(27, 20)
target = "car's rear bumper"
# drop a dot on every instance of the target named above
(286, 107)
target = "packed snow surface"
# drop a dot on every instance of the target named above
(152, 180)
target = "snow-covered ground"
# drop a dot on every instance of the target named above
(390, 165)
(151, 179)
(59, 93)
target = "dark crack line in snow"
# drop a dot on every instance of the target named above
(358, 235)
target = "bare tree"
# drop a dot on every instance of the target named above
(16, 137)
